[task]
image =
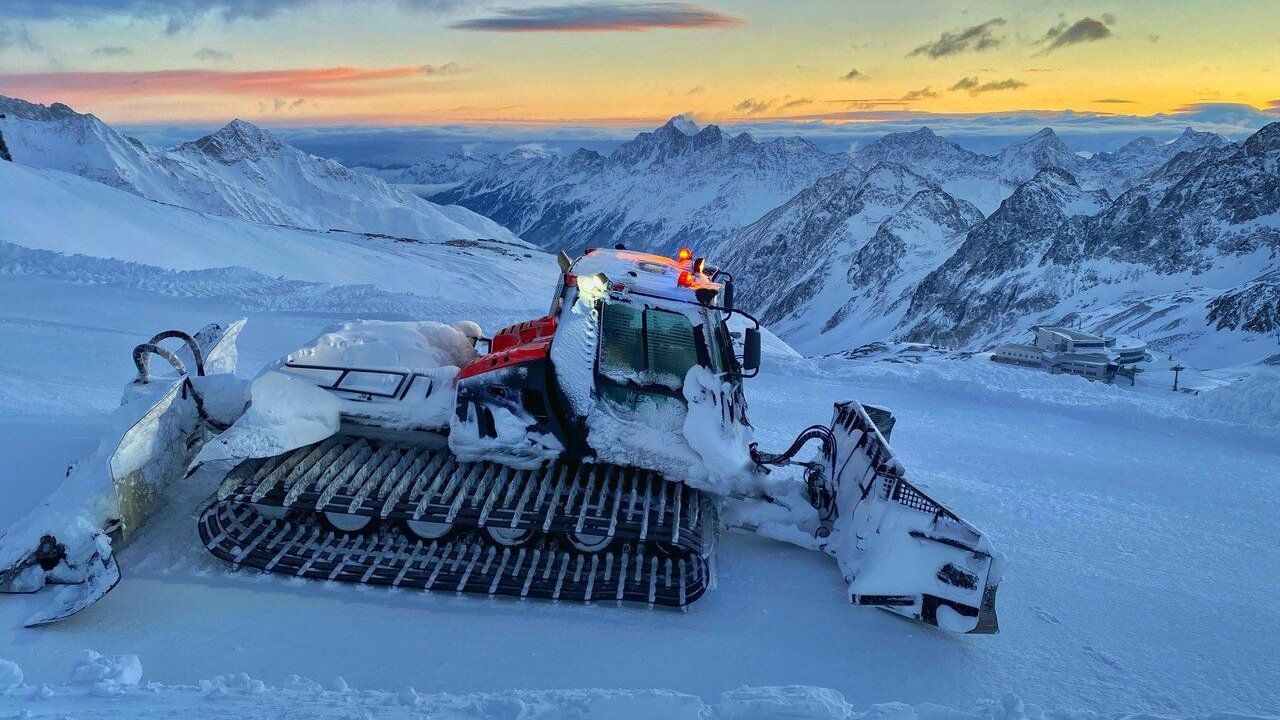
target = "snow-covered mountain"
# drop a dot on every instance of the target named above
(991, 277)
(1136, 159)
(894, 248)
(986, 180)
(240, 171)
(841, 258)
(1181, 258)
(463, 163)
(959, 172)
(677, 185)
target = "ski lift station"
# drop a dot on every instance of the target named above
(1062, 349)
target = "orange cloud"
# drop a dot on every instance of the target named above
(336, 82)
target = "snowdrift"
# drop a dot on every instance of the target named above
(51, 210)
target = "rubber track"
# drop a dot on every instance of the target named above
(361, 476)
(465, 563)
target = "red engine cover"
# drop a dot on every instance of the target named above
(520, 343)
(523, 333)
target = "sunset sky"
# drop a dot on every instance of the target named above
(424, 62)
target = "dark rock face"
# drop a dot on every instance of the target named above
(24, 110)
(1208, 218)
(4, 149)
(239, 140)
(981, 283)
(844, 250)
(1255, 307)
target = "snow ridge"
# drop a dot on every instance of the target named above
(241, 171)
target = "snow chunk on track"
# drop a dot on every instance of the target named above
(284, 413)
(391, 345)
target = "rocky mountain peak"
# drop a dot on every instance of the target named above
(1264, 141)
(1044, 142)
(922, 147)
(1023, 159)
(684, 124)
(15, 107)
(923, 137)
(238, 140)
(1194, 140)
(710, 134)
(1137, 146)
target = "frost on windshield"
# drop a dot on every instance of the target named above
(645, 348)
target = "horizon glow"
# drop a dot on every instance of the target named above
(627, 64)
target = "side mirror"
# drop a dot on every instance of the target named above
(727, 293)
(751, 351)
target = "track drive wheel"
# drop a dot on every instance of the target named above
(343, 522)
(509, 537)
(425, 530)
(588, 543)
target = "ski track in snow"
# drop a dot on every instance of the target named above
(1141, 539)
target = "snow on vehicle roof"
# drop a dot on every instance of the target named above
(645, 272)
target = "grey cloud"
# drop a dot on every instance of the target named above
(974, 87)
(180, 14)
(975, 38)
(601, 16)
(112, 51)
(1010, 84)
(449, 68)
(1081, 31)
(176, 14)
(752, 106)
(211, 55)
(923, 93)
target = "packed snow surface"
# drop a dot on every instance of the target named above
(124, 692)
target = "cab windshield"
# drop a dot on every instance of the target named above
(645, 349)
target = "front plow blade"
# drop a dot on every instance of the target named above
(65, 547)
(898, 548)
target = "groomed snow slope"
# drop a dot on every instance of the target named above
(52, 210)
(1139, 528)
